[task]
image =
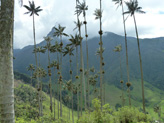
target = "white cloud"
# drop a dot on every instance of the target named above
(62, 11)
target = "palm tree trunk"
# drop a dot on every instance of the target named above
(129, 97)
(71, 88)
(87, 75)
(58, 85)
(61, 81)
(126, 45)
(77, 68)
(50, 80)
(54, 95)
(7, 114)
(37, 78)
(101, 60)
(142, 82)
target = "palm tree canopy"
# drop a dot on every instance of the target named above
(53, 64)
(75, 40)
(81, 7)
(78, 24)
(98, 13)
(59, 31)
(32, 9)
(98, 51)
(68, 50)
(118, 48)
(119, 2)
(39, 49)
(31, 67)
(133, 7)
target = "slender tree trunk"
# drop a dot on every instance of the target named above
(77, 68)
(71, 87)
(126, 44)
(142, 82)
(121, 79)
(37, 77)
(61, 80)
(50, 84)
(54, 96)
(7, 114)
(101, 59)
(87, 75)
(58, 86)
(129, 97)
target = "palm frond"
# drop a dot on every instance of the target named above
(98, 14)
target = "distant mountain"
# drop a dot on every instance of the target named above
(152, 51)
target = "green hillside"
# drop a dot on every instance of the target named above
(26, 107)
(25, 110)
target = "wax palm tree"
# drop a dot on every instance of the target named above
(48, 40)
(69, 50)
(103, 72)
(31, 68)
(56, 48)
(98, 14)
(82, 81)
(118, 49)
(32, 10)
(54, 65)
(132, 9)
(59, 32)
(6, 63)
(82, 8)
(120, 3)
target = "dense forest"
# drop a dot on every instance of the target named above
(71, 78)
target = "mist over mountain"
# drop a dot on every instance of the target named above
(152, 52)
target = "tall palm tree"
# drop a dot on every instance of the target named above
(6, 62)
(82, 81)
(120, 3)
(98, 14)
(31, 68)
(132, 8)
(69, 50)
(54, 65)
(82, 8)
(75, 42)
(32, 10)
(56, 48)
(118, 49)
(59, 32)
(48, 40)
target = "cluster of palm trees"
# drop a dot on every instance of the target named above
(78, 88)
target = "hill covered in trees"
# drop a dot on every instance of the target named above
(151, 51)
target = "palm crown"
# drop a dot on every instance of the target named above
(68, 50)
(118, 2)
(98, 14)
(59, 31)
(118, 48)
(75, 41)
(133, 7)
(32, 9)
(81, 7)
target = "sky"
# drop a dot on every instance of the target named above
(150, 25)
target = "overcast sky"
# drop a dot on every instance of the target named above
(62, 12)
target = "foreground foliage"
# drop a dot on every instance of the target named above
(107, 115)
